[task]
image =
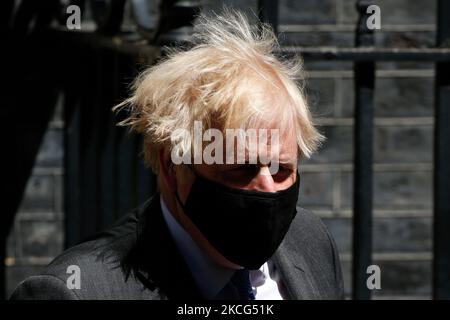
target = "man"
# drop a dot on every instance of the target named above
(224, 223)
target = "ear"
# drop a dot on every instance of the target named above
(167, 169)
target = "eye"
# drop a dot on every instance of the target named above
(279, 168)
(244, 170)
(249, 169)
(285, 169)
(241, 174)
(282, 173)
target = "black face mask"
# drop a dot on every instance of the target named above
(245, 226)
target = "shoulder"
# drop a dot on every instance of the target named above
(308, 227)
(309, 237)
(97, 262)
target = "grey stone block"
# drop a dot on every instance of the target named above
(41, 238)
(406, 190)
(313, 39)
(402, 234)
(346, 102)
(398, 278)
(403, 190)
(392, 144)
(409, 277)
(307, 12)
(39, 194)
(320, 96)
(390, 234)
(338, 148)
(348, 13)
(316, 190)
(394, 97)
(407, 144)
(407, 11)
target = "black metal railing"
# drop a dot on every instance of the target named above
(441, 251)
(364, 75)
(105, 176)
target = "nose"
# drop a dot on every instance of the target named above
(263, 181)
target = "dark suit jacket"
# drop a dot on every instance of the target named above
(138, 259)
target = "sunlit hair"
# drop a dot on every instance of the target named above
(229, 78)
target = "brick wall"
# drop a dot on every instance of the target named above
(402, 148)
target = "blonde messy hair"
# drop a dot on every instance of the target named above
(229, 78)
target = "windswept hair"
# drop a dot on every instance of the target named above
(229, 78)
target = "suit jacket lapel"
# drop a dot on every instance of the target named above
(158, 258)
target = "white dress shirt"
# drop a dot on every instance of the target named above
(211, 277)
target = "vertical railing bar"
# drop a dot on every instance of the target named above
(72, 171)
(72, 149)
(441, 222)
(126, 163)
(90, 161)
(364, 75)
(107, 158)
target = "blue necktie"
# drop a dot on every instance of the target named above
(238, 288)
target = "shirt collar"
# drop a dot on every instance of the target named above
(209, 276)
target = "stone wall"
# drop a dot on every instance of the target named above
(38, 232)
